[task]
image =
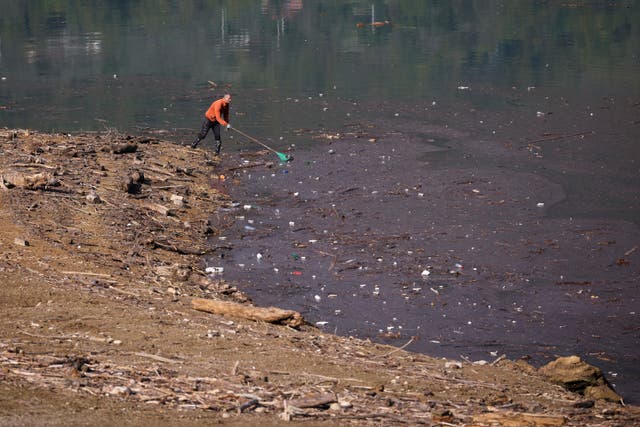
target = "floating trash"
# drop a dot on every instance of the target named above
(214, 270)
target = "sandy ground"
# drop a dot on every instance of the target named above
(98, 329)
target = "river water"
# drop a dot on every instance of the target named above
(501, 93)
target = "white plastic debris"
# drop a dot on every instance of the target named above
(118, 390)
(318, 298)
(322, 323)
(425, 273)
(540, 205)
(214, 270)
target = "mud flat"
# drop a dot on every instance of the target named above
(103, 239)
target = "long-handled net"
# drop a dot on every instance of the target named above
(283, 157)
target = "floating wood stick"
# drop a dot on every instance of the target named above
(555, 137)
(260, 314)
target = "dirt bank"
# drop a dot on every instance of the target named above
(103, 237)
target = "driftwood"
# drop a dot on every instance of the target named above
(124, 148)
(86, 273)
(32, 165)
(172, 248)
(132, 183)
(156, 357)
(249, 166)
(313, 401)
(518, 419)
(261, 314)
(28, 181)
(162, 210)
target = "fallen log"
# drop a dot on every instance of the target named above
(260, 314)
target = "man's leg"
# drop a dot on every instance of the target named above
(216, 134)
(206, 125)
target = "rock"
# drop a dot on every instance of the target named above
(92, 197)
(525, 366)
(177, 200)
(443, 416)
(602, 392)
(579, 377)
(118, 391)
(178, 272)
(29, 181)
(131, 187)
(20, 241)
(123, 148)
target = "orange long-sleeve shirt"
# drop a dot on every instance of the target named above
(218, 111)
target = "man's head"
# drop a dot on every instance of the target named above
(227, 97)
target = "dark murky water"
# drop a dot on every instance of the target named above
(523, 102)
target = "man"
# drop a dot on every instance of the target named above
(216, 115)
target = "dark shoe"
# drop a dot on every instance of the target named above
(195, 143)
(218, 147)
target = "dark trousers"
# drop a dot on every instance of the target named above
(206, 125)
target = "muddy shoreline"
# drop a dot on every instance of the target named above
(466, 243)
(104, 238)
